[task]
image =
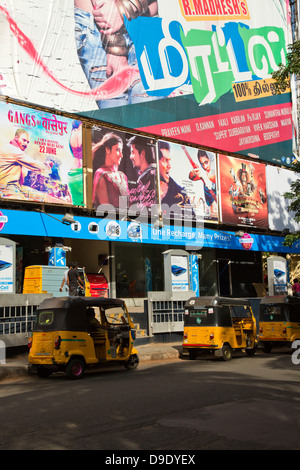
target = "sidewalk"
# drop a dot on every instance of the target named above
(17, 366)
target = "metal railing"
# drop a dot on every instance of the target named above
(166, 310)
(17, 316)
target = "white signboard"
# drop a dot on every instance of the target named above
(180, 273)
(6, 269)
(279, 182)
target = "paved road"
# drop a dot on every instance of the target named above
(247, 403)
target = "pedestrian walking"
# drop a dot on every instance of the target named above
(296, 288)
(74, 279)
(65, 281)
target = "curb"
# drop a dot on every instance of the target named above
(160, 355)
(13, 371)
(147, 353)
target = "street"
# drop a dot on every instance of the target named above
(247, 403)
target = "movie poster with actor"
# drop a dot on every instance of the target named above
(40, 156)
(124, 171)
(243, 192)
(188, 185)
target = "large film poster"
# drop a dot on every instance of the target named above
(243, 192)
(40, 156)
(199, 71)
(279, 181)
(124, 172)
(188, 185)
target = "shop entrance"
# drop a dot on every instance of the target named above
(238, 276)
(138, 269)
(224, 277)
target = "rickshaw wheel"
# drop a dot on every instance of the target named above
(75, 368)
(132, 362)
(226, 352)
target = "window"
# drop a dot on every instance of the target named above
(224, 316)
(116, 316)
(46, 318)
(294, 313)
(272, 313)
(238, 311)
(204, 316)
(139, 269)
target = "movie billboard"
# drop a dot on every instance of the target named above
(124, 172)
(279, 181)
(40, 156)
(243, 194)
(188, 182)
(199, 72)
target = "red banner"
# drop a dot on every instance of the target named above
(236, 131)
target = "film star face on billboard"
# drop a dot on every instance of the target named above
(40, 156)
(124, 171)
(187, 182)
(243, 192)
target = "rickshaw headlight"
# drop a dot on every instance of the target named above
(57, 342)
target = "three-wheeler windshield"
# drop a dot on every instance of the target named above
(116, 316)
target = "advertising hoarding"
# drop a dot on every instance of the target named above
(40, 156)
(21, 223)
(279, 182)
(124, 172)
(179, 273)
(277, 275)
(128, 167)
(7, 268)
(188, 182)
(242, 192)
(199, 72)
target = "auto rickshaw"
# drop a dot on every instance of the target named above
(279, 321)
(67, 335)
(218, 325)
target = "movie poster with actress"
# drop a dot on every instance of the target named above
(124, 171)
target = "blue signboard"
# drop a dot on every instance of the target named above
(57, 256)
(14, 222)
(194, 274)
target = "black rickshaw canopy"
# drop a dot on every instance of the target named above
(280, 299)
(280, 308)
(215, 310)
(69, 313)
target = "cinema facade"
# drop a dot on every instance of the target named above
(221, 146)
